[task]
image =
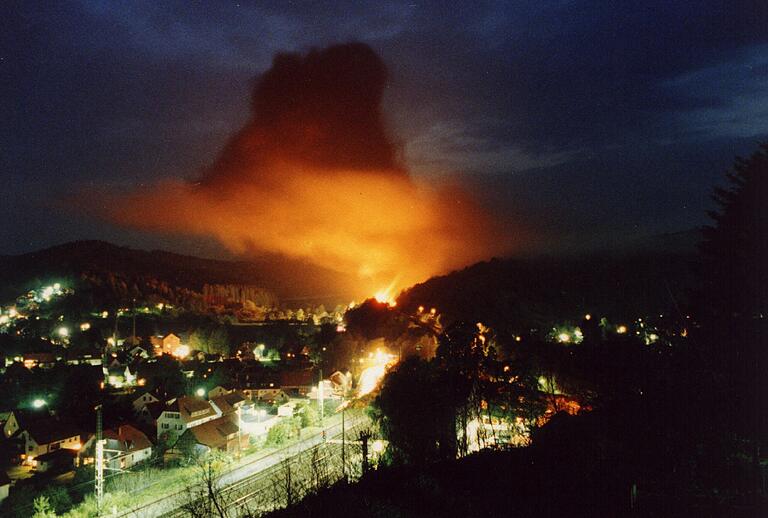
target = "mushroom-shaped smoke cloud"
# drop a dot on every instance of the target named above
(314, 175)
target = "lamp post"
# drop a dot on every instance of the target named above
(343, 434)
(320, 397)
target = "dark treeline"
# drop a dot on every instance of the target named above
(618, 424)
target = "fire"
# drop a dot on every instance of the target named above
(385, 295)
(372, 375)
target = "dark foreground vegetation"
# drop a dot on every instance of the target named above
(669, 424)
(546, 480)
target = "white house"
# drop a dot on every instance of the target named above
(181, 414)
(228, 403)
(125, 446)
(42, 437)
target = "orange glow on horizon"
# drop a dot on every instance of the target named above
(371, 226)
(314, 175)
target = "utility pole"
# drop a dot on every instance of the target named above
(239, 426)
(133, 330)
(343, 436)
(114, 335)
(364, 437)
(320, 397)
(99, 461)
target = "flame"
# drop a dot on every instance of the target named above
(386, 295)
(372, 375)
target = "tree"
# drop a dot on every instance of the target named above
(309, 416)
(735, 248)
(280, 433)
(416, 411)
(734, 302)
(204, 497)
(43, 508)
(58, 499)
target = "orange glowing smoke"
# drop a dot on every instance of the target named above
(314, 175)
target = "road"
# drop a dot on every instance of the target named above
(242, 478)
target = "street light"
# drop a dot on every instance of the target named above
(38, 403)
(200, 392)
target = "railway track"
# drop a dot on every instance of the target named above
(246, 488)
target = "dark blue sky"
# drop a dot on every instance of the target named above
(583, 121)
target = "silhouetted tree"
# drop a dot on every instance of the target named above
(735, 248)
(733, 307)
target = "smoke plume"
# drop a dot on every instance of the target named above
(314, 175)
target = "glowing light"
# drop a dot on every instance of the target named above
(377, 446)
(63, 332)
(200, 392)
(38, 403)
(181, 351)
(421, 309)
(13, 313)
(587, 317)
(432, 311)
(371, 376)
(104, 314)
(85, 326)
(369, 379)
(47, 293)
(57, 286)
(383, 298)
(564, 337)
(518, 338)
(621, 329)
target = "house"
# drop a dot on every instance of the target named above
(5, 486)
(58, 461)
(327, 393)
(268, 395)
(143, 400)
(218, 390)
(300, 380)
(151, 412)
(341, 383)
(21, 417)
(12, 423)
(220, 434)
(286, 409)
(181, 414)
(139, 352)
(43, 436)
(165, 344)
(124, 447)
(228, 404)
(118, 375)
(42, 360)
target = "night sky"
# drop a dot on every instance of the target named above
(584, 122)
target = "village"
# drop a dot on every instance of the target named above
(165, 401)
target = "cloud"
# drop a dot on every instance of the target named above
(315, 175)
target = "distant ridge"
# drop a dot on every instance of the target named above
(649, 276)
(288, 278)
